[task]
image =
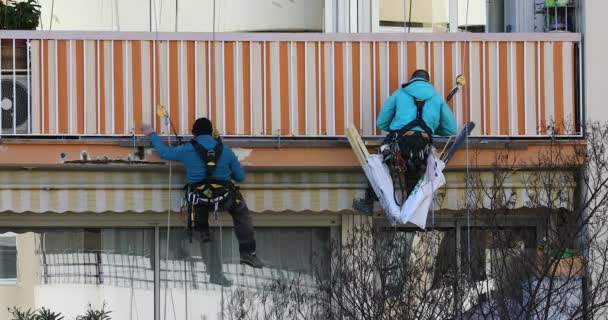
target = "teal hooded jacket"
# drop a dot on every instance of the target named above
(400, 109)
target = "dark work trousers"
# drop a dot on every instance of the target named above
(241, 217)
(414, 149)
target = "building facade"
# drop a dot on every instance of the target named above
(89, 214)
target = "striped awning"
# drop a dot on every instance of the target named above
(151, 191)
(119, 190)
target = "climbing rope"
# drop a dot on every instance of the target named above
(466, 103)
(162, 112)
(215, 213)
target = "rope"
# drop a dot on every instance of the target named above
(157, 21)
(186, 281)
(407, 23)
(168, 220)
(409, 19)
(215, 213)
(467, 185)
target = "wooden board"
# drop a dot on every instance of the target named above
(357, 144)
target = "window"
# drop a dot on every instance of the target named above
(501, 260)
(425, 15)
(68, 269)
(298, 254)
(8, 257)
(436, 263)
(474, 18)
(409, 246)
(115, 257)
(183, 15)
(72, 267)
(478, 15)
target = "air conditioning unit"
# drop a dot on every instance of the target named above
(14, 103)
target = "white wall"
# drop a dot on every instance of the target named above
(98, 15)
(21, 294)
(193, 15)
(476, 15)
(595, 70)
(425, 11)
(595, 64)
(72, 300)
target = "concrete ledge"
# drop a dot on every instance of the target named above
(291, 142)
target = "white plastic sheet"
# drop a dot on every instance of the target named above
(416, 207)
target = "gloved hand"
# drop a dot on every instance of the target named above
(147, 129)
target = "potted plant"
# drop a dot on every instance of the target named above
(18, 314)
(17, 15)
(42, 314)
(92, 314)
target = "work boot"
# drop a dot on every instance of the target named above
(363, 206)
(251, 260)
(220, 280)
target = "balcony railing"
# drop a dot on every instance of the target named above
(105, 84)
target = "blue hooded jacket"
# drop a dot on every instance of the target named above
(400, 109)
(226, 168)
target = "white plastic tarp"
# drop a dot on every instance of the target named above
(417, 205)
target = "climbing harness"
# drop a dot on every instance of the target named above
(402, 158)
(208, 194)
(210, 157)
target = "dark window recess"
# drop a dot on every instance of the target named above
(8, 257)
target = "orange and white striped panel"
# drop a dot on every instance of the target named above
(294, 88)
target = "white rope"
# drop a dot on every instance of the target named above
(157, 22)
(186, 281)
(467, 184)
(168, 223)
(215, 214)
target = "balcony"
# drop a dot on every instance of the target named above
(103, 84)
(73, 144)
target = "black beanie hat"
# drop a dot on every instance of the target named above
(202, 126)
(420, 74)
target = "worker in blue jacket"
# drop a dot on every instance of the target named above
(213, 178)
(412, 115)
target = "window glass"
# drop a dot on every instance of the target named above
(183, 15)
(501, 260)
(294, 259)
(8, 257)
(478, 15)
(435, 251)
(67, 270)
(424, 16)
(472, 15)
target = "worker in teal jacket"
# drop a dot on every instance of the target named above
(225, 169)
(412, 115)
(400, 108)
